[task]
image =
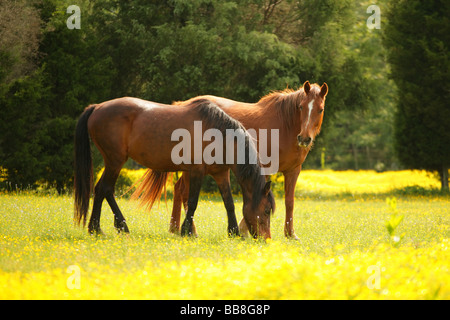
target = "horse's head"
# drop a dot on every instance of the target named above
(257, 211)
(311, 113)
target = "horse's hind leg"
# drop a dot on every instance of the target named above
(105, 189)
(195, 184)
(110, 179)
(180, 197)
(94, 222)
(178, 191)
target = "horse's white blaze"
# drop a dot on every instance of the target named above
(310, 107)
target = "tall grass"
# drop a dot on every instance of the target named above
(345, 251)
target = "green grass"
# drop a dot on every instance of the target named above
(38, 236)
(320, 225)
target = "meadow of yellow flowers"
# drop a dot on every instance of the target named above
(355, 246)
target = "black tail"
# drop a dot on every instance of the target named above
(83, 179)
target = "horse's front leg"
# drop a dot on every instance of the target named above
(223, 182)
(290, 179)
(195, 184)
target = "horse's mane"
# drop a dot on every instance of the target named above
(214, 117)
(286, 103)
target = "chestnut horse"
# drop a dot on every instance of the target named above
(144, 131)
(297, 114)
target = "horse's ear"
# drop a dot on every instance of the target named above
(267, 187)
(323, 90)
(306, 87)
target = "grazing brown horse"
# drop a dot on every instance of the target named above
(297, 114)
(148, 132)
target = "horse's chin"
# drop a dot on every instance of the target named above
(303, 145)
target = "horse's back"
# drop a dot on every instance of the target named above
(139, 129)
(223, 103)
(111, 124)
(144, 130)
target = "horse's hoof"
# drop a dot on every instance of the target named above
(96, 232)
(185, 232)
(293, 237)
(234, 233)
(122, 227)
(174, 229)
(188, 234)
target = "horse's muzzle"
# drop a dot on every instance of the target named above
(304, 142)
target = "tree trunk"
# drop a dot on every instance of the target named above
(369, 158)
(355, 156)
(444, 179)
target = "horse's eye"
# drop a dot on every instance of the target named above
(321, 110)
(301, 108)
(267, 211)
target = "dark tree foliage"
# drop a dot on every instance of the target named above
(173, 50)
(418, 37)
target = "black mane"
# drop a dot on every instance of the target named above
(215, 117)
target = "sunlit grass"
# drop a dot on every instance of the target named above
(344, 251)
(362, 182)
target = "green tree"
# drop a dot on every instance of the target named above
(21, 112)
(19, 40)
(178, 49)
(417, 37)
(174, 50)
(359, 135)
(335, 45)
(40, 109)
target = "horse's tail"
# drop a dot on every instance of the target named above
(83, 178)
(149, 190)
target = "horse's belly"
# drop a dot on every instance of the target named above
(153, 153)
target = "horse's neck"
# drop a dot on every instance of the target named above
(245, 183)
(251, 115)
(261, 115)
